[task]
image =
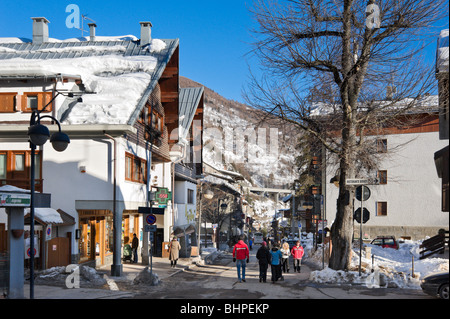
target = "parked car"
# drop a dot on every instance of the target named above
(436, 285)
(385, 242)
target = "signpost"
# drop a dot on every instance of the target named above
(361, 215)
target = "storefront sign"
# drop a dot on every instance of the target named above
(15, 200)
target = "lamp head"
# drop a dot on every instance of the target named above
(60, 141)
(38, 134)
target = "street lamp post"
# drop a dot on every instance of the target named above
(38, 136)
(208, 195)
(219, 206)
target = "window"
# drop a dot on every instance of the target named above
(382, 145)
(381, 208)
(36, 101)
(7, 102)
(15, 169)
(382, 177)
(3, 166)
(157, 121)
(190, 196)
(135, 169)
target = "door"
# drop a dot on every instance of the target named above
(58, 252)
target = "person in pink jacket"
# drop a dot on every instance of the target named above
(297, 252)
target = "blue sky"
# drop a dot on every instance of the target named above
(214, 35)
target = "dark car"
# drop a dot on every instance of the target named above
(436, 285)
(385, 242)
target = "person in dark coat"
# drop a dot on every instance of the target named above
(264, 257)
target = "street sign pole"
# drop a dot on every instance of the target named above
(360, 231)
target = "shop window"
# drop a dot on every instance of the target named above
(7, 102)
(135, 169)
(381, 208)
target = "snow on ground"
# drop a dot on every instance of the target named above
(391, 268)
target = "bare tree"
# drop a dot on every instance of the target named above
(336, 59)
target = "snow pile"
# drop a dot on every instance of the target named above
(391, 268)
(156, 46)
(57, 276)
(147, 278)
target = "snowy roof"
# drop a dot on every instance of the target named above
(46, 215)
(442, 52)
(120, 72)
(188, 104)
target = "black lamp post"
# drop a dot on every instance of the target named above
(39, 134)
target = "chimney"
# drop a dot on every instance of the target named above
(146, 33)
(92, 27)
(40, 30)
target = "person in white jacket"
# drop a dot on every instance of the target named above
(285, 259)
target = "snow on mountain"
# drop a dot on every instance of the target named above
(236, 140)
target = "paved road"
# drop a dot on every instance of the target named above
(219, 281)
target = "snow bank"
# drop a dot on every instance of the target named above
(391, 268)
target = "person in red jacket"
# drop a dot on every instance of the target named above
(297, 252)
(241, 254)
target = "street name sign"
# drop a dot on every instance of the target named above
(356, 181)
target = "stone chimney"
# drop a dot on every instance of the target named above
(92, 27)
(146, 33)
(40, 30)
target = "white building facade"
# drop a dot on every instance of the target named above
(407, 201)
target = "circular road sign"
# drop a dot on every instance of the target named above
(150, 219)
(362, 193)
(365, 215)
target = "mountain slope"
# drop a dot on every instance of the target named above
(236, 139)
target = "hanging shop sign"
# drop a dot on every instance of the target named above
(163, 196)
(15, 200)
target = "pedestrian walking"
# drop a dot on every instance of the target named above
(241, 255)
(297, 253)
(174, 252)
(276, 264)
(285, 257)
(264, 257)
(250, 243)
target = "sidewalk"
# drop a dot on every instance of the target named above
(160, 266)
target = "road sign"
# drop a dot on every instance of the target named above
(149, 228)
(150, 219)
(355, 181)
(365, 215)
(362, 193)
(150, 210)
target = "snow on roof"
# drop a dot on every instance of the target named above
(118, 72)
(46, 215)
(442, 52)
(9, 188)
